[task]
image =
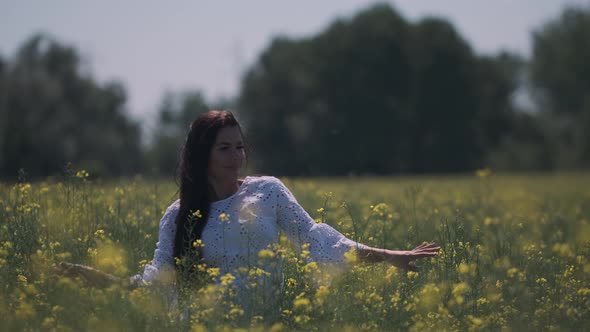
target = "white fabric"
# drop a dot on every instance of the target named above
(254, 216)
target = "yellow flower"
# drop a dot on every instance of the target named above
(563, 249)
(48, 323)
(481, 301)
(459, 290)
(224, 217)
(82, 174)
(301, 303)
(277, 327)
(25, 311)
(390, 273)
(227, 279)
(465, 268)
(483, 173)
(302, 319)
(21, 279)
(476, 321)
(25, 188)
(430, 297)
(213, 272)
(197, 214)
(257, 272)
(350, 256)
(199, 328)
(57, 309)
(380, 209)
(490, 221)
(235, 313)
(311, 267)
(31, 289)
(321, 294)
(512, 272)
(305, 254)
(266, 254)
(119, 191)
(291, 283)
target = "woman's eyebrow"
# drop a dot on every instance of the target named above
(240, 142)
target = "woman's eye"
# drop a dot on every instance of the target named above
(240, 148)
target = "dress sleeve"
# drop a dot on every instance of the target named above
(326, 245)
(163, 261)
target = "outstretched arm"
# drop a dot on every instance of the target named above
(398, 258)
(162, 261)
(327, 244)
(92, 276)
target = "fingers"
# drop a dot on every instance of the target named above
(86, 274)
(71, 270)
(66, 269)
(426, 247)
(430, 245)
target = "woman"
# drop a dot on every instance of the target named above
(234, 219)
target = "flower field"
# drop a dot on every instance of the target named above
(515, 256)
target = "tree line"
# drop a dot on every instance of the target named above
(371, 94)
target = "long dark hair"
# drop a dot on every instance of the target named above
(191, 175)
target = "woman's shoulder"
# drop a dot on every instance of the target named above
(268, 185)
(171, 212)
(175, 206)
(263, 181)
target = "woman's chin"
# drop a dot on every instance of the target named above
(233, 174)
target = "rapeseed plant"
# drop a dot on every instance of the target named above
(513, 246)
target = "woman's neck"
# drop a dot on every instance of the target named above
(223, 189)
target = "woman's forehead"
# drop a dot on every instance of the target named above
(229, 135)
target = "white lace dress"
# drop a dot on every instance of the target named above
(242, 225)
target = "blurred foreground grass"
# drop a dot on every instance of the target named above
(516, 254)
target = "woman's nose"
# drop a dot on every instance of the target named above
(238, 154)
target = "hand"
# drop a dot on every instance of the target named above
(89, 275)
(402, 259)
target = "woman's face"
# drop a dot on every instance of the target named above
(227, 155)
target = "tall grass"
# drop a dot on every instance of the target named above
(515, 254)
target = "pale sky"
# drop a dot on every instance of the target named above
(154, 46)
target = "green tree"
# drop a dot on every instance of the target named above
(3, 113)
(375, 94)
(53, 114)
(364, 81)
(331, 104)
(499, 77)
(560, 77)
(444, 100)
(273, 99)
